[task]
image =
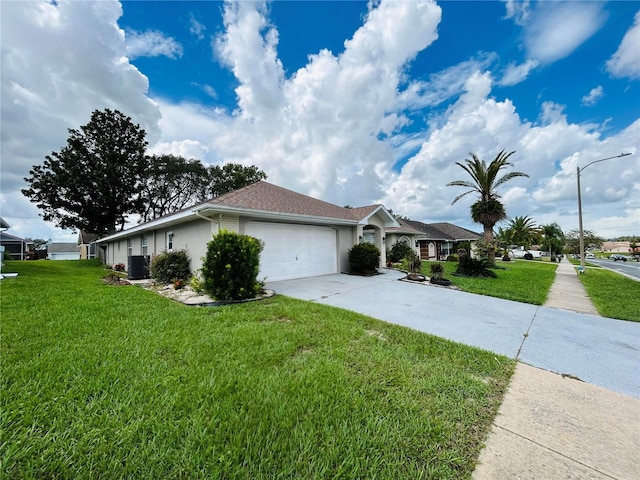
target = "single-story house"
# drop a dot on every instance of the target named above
(88, 245)
(437, 241)
(63, 251)
(17, 247)
(617, 247)
(302, 236)
(403, 233)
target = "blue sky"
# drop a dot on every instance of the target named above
(468, 30)
(352, 102)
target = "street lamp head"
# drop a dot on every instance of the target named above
(602, 160)
(578, 170)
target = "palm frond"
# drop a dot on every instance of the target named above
(462, 195)
(509, 176)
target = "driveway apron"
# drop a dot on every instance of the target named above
(595, 349)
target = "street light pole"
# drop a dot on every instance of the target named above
(578, 171)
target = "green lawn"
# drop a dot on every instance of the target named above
(614, 295)
(104, 381)
(520, 280)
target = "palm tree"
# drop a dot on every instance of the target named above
(552, 238)
(487, 210)
(524, 231)
(504, 240)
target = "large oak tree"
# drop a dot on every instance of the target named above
(95, 181)
(172, 183)
(103, 175)
(231, 176)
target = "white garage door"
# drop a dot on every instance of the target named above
(294, 251)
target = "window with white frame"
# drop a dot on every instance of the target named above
(368, 235)
(129, 248)
(144, 244)
(170, 241)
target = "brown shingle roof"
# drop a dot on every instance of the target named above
(455, 232)
(361, 212)
(444, 231)
(428, 231)
(265, 196)
(403, 228)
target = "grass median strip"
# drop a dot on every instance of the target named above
(614, 295)
(521, 280)
(104, 381)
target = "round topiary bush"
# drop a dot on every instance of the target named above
(231, 265)
(364, 258)
(170, 266)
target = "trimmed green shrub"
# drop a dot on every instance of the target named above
(452, 258)
(475, 267)
(230, 267)
(171, 266)
(364, 258)
(398, 252)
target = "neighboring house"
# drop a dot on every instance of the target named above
(63, 251)
(88, 245)
(13, 245)
(437, 241)
(404, 233)
(616, 247)
(302, 236)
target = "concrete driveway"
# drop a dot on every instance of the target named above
(598, 350)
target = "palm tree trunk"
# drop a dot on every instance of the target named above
(488, 238)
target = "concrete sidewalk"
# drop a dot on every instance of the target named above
(551, 426)
(568, 293)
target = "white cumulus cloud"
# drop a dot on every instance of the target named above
(519, 10)
(593, 96)
(515, 74)
(151, 43)
(59, 63)
(625, 62)
(556, 29)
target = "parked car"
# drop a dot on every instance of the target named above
(615, 257)
(589, 256)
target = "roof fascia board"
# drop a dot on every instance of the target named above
(212, 208)
(153, 224)
(268, 215)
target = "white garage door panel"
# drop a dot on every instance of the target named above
(294, 251)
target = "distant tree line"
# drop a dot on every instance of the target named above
(104, 174)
